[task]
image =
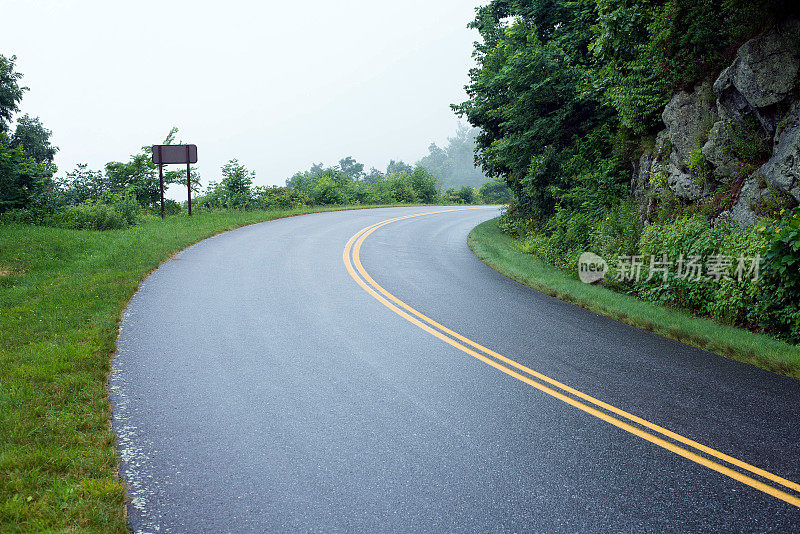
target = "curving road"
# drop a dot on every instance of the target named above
(303, 375)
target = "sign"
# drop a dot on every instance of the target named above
(174, 154)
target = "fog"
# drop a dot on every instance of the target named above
(278, 85)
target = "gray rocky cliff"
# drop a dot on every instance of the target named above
(735, 142)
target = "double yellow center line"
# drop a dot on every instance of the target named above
(736, 469)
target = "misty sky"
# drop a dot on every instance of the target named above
(278, 85)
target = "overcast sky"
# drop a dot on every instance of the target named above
(278, 85)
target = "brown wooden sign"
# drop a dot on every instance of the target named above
(174, 154)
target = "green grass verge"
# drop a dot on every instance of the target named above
(497, 250)
(62, 293)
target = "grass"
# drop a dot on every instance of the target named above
(62, 293)
(497, 250)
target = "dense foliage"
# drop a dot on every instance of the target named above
(567, 95)
(345, 183)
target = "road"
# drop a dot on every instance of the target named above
(302, 375)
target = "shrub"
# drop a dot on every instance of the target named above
(618, 233)
(466, 195)
(570, 231)
(277, 197)
(692, 236)
(400, 186)
(91, 215)
(511, 221)
(735, 300)
(326, 191)
(780, 306)
(424, 184)
(109, 212)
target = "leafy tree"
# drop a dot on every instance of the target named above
(397, 167)
(373, 176)
(83, 184)
(34, 139)
(236, 184)
(454, 165)
(351, 167)
(10, 91)
(527, 97)
(140, 175)
(24, 182)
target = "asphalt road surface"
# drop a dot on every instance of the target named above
(285, 377)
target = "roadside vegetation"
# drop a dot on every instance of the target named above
(570, 101)
(503, 253)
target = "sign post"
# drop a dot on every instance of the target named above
(175, 154)
(188, 180)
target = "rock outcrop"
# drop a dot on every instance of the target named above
(746, 127)
(688, 117)
(782, 171)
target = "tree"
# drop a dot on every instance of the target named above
(236, 184)
(83, 184)
(372, 177)
(140, 175)
(351, 167)
(24, 182)
(454, 165)
(529, 98)
(10, 91)
(34, 139)
(397, 167)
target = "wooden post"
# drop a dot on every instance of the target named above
(161, 180)
(189, 180)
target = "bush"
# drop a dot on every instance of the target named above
(424, 185)
(692, 236)
(91, 215)
(780, 307)
(561, 241)
(110, 212)
(618, 233)
(277, 197)
(737, 301)
(401, 188)
(326, 191)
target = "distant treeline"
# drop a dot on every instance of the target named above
(454, 165)
(124, 192)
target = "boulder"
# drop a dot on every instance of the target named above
(743, 212)
(765, 69)
(717, 153)
(683, 184)
(688, 117)
(782, 170)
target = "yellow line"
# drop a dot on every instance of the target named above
(359, 238)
